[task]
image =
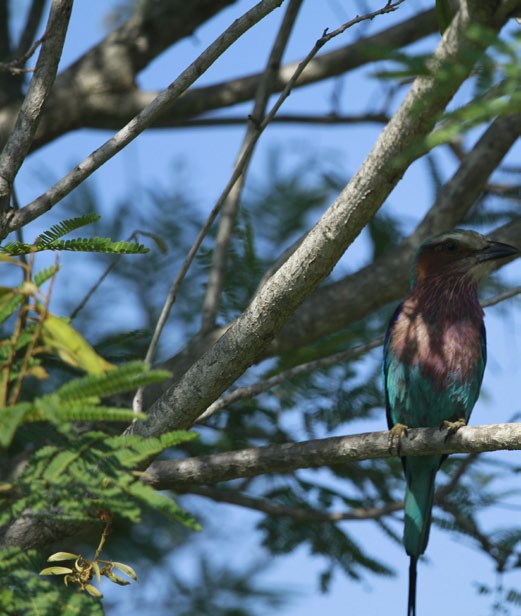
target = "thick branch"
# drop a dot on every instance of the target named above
(96, 93)
(182, 474)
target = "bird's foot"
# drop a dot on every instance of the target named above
(395, 435)
(453, 426)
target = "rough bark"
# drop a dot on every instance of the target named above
(180, 475)
(99, 90)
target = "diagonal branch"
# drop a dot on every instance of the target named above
(21, 137)
(114, 100)
(180, 475)
(231, 206)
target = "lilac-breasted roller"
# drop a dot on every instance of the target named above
(434, 358)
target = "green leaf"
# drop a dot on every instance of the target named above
(163, 504)
(42, 276)
(121, 378)
(63, 228)
(57, 556)
(10, 418)
(55, 571)
(10, 299)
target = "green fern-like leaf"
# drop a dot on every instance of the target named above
(10, 418)
(98, 244)
(85, 473)
(68, 412)
(123, 378)
(164, 505)
(63, 228)
(44, 275)
(92, 244)
(132, 450)
(10, 299)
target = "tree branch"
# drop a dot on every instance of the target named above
(300, 514)
(96, 93)
(21, 137)
(230, 208)
(332, 119)
(181, 475)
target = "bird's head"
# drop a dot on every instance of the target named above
(458, 253)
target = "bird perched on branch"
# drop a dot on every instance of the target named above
(434, 358)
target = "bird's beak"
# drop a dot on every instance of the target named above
(497, 250)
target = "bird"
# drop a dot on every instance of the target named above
(434, 358)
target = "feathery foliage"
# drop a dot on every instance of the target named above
(50, 240)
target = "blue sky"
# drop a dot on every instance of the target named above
(446, 577)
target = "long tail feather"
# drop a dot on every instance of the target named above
(419, 497)
(411, 601)
(420, 473)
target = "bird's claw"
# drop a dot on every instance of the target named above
(453, 426)
(395, 435)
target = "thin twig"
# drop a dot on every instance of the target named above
(230, 209)
(26, 44)
(98, 282)
(15, 67)
(142, 120)
(250, 391)
(29, 350)
(501, 297)
(294, 118)
(297, 513)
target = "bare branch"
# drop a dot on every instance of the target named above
(136, 126)
(180, 475)
(21, 138)
(332, 119)
(300, 514)
(230, 208)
